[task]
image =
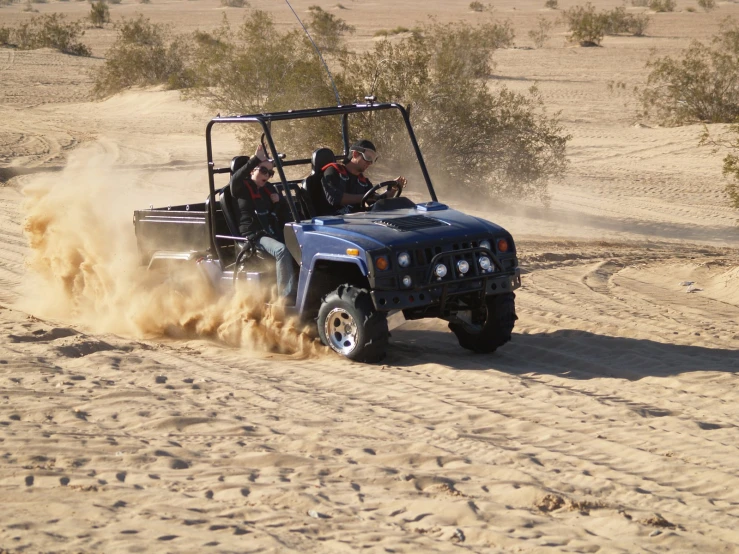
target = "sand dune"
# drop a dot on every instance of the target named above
(133, 419)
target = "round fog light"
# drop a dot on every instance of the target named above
(440, 270)
(463, 266)
(407, 281)
(404, 259)
(485, 263)
(485, 244)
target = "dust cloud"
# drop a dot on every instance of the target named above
(85, 268)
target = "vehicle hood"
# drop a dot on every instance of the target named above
(399, 227)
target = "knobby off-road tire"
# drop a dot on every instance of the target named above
(495, 331)
(348, 323)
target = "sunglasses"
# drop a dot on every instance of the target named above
(369, 156)
(264, 171)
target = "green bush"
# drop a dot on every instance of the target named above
(701, 85)
(99, 13)
(619, 21)
(551, 4)
(327, 30)
(707, 5)
(540, 35)
(662, 5)
(585, 25)
(143, 53)
(493, 142)
(48, 31)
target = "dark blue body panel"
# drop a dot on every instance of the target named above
(432, 228)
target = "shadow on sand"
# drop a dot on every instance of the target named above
(568, 353)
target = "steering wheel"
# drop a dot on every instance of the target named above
(375, 188)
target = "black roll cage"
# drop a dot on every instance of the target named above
(265, 119)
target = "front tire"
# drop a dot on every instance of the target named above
(491, 327)
(349, 324)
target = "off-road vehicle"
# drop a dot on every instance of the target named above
(409, 255)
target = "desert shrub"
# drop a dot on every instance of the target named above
(49, 31)
(690, 9)
(551, 4)
(701, 85)
(390, 32)
(640, 3)
(731, 169)
(585, 25)
(662, 5)
(495, 142)
(477, 6)
(540, 35)
(234, 3)
(99, 13)
(6, 2)
(4, 36)
(143, 53)
(619, 21)
(114, 2)
(28, 7)
(38, 1)
(327, 30)
(707, 5)
(240, 71)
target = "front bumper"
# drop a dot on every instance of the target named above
(442, 293)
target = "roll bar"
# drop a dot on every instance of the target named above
(265, 119)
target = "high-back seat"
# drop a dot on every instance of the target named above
(312, 183)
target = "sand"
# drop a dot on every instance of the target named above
(135, 419)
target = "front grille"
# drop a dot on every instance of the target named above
(410, 223)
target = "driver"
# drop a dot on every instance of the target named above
(345, 184)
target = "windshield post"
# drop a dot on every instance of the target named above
(419, 156)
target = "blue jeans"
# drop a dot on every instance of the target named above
(284, 261)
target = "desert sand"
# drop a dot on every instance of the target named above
(133, 420)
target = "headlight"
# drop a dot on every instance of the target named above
(404, 259)
(485, 244)
(485, 263)
(407, 281)
(463, 266)
(440, 271)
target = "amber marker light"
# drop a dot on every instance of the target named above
(381, 263)
(502, 245)
(352, 251)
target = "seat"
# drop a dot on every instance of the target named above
(237, 162)
(316, 199)
(231, 215)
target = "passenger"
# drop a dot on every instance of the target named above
(259, 221)
(344, 185)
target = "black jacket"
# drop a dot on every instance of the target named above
(337, 181)
(258, 215)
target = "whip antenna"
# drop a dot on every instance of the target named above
(336, 92)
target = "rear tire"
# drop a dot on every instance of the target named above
(349, 324)
(496, 321)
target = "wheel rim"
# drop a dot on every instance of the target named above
(341, 331)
